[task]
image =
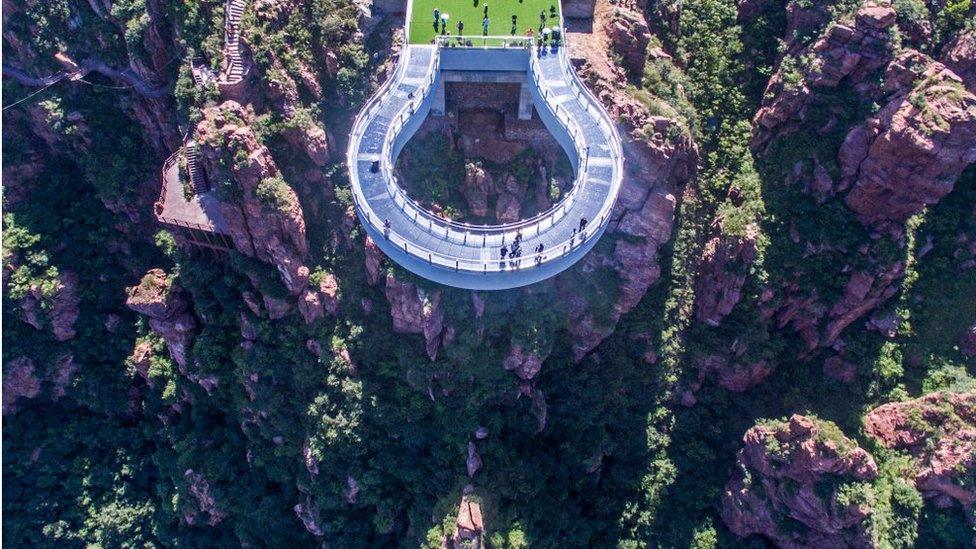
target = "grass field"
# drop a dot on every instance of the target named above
(471, 12)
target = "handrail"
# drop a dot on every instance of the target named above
(396, 191)
(433, 257)
(503, 42)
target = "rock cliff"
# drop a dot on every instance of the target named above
(939, 432)
(158, 297)
(264, 216)
(415, 311)
(792, 484)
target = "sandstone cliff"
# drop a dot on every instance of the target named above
(163, 301)
(263, 213)
(779, 478)
(939, 432)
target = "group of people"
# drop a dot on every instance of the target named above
(515, 252)
(546, 35)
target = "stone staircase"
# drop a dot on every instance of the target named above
(234, 68)
(198, 179)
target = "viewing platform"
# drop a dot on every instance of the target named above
(466, 255)
(194, 213)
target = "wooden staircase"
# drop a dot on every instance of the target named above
(198, 179)
(234, 68)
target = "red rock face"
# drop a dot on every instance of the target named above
(19, 382)
(273, 233)
(524, 363)
(414, 311)
(162, 301)
(939, 431)
(314, 303)
(843, 52)
(477, 185)
(722, 274)
(199, 488)
(630, 36)
(821, 324)
(960, 58)
(470, 524)
(374, 257)
(63, 311)
(912, 152)
(735, 375)
(776, 481)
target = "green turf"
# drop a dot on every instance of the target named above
(421, 24)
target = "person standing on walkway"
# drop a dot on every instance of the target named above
(460, 28)
(484, 25)
(504, 252)
(437, 18)
(582, 224)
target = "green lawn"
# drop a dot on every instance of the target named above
(471, 12)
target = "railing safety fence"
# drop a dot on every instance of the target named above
(464, 232)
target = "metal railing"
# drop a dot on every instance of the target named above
(488, 41)
(466, 233)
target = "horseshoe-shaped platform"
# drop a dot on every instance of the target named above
(467, 255)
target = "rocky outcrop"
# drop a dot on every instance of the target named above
(508, 207)
(477, 185)
(939, 432)
(967, 342)
(19, 382)
(470, 524)
(199, 488)
(374, 257)
(62, 312)
(64, 307)
(910, 154)
(792, 472)
(960, 58)
(629, 36)
(308, 513)
(636, 238)
(897, 161)
(525, 363)
(844, 52)
(821, 324)
(863, 293)
(162, 300)
(266, 221)
(734, 374)
(473, 462)
(314, 303)
(415, 311)
(722, 273)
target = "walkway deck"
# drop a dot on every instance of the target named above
(468, 256)
(201, 212)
